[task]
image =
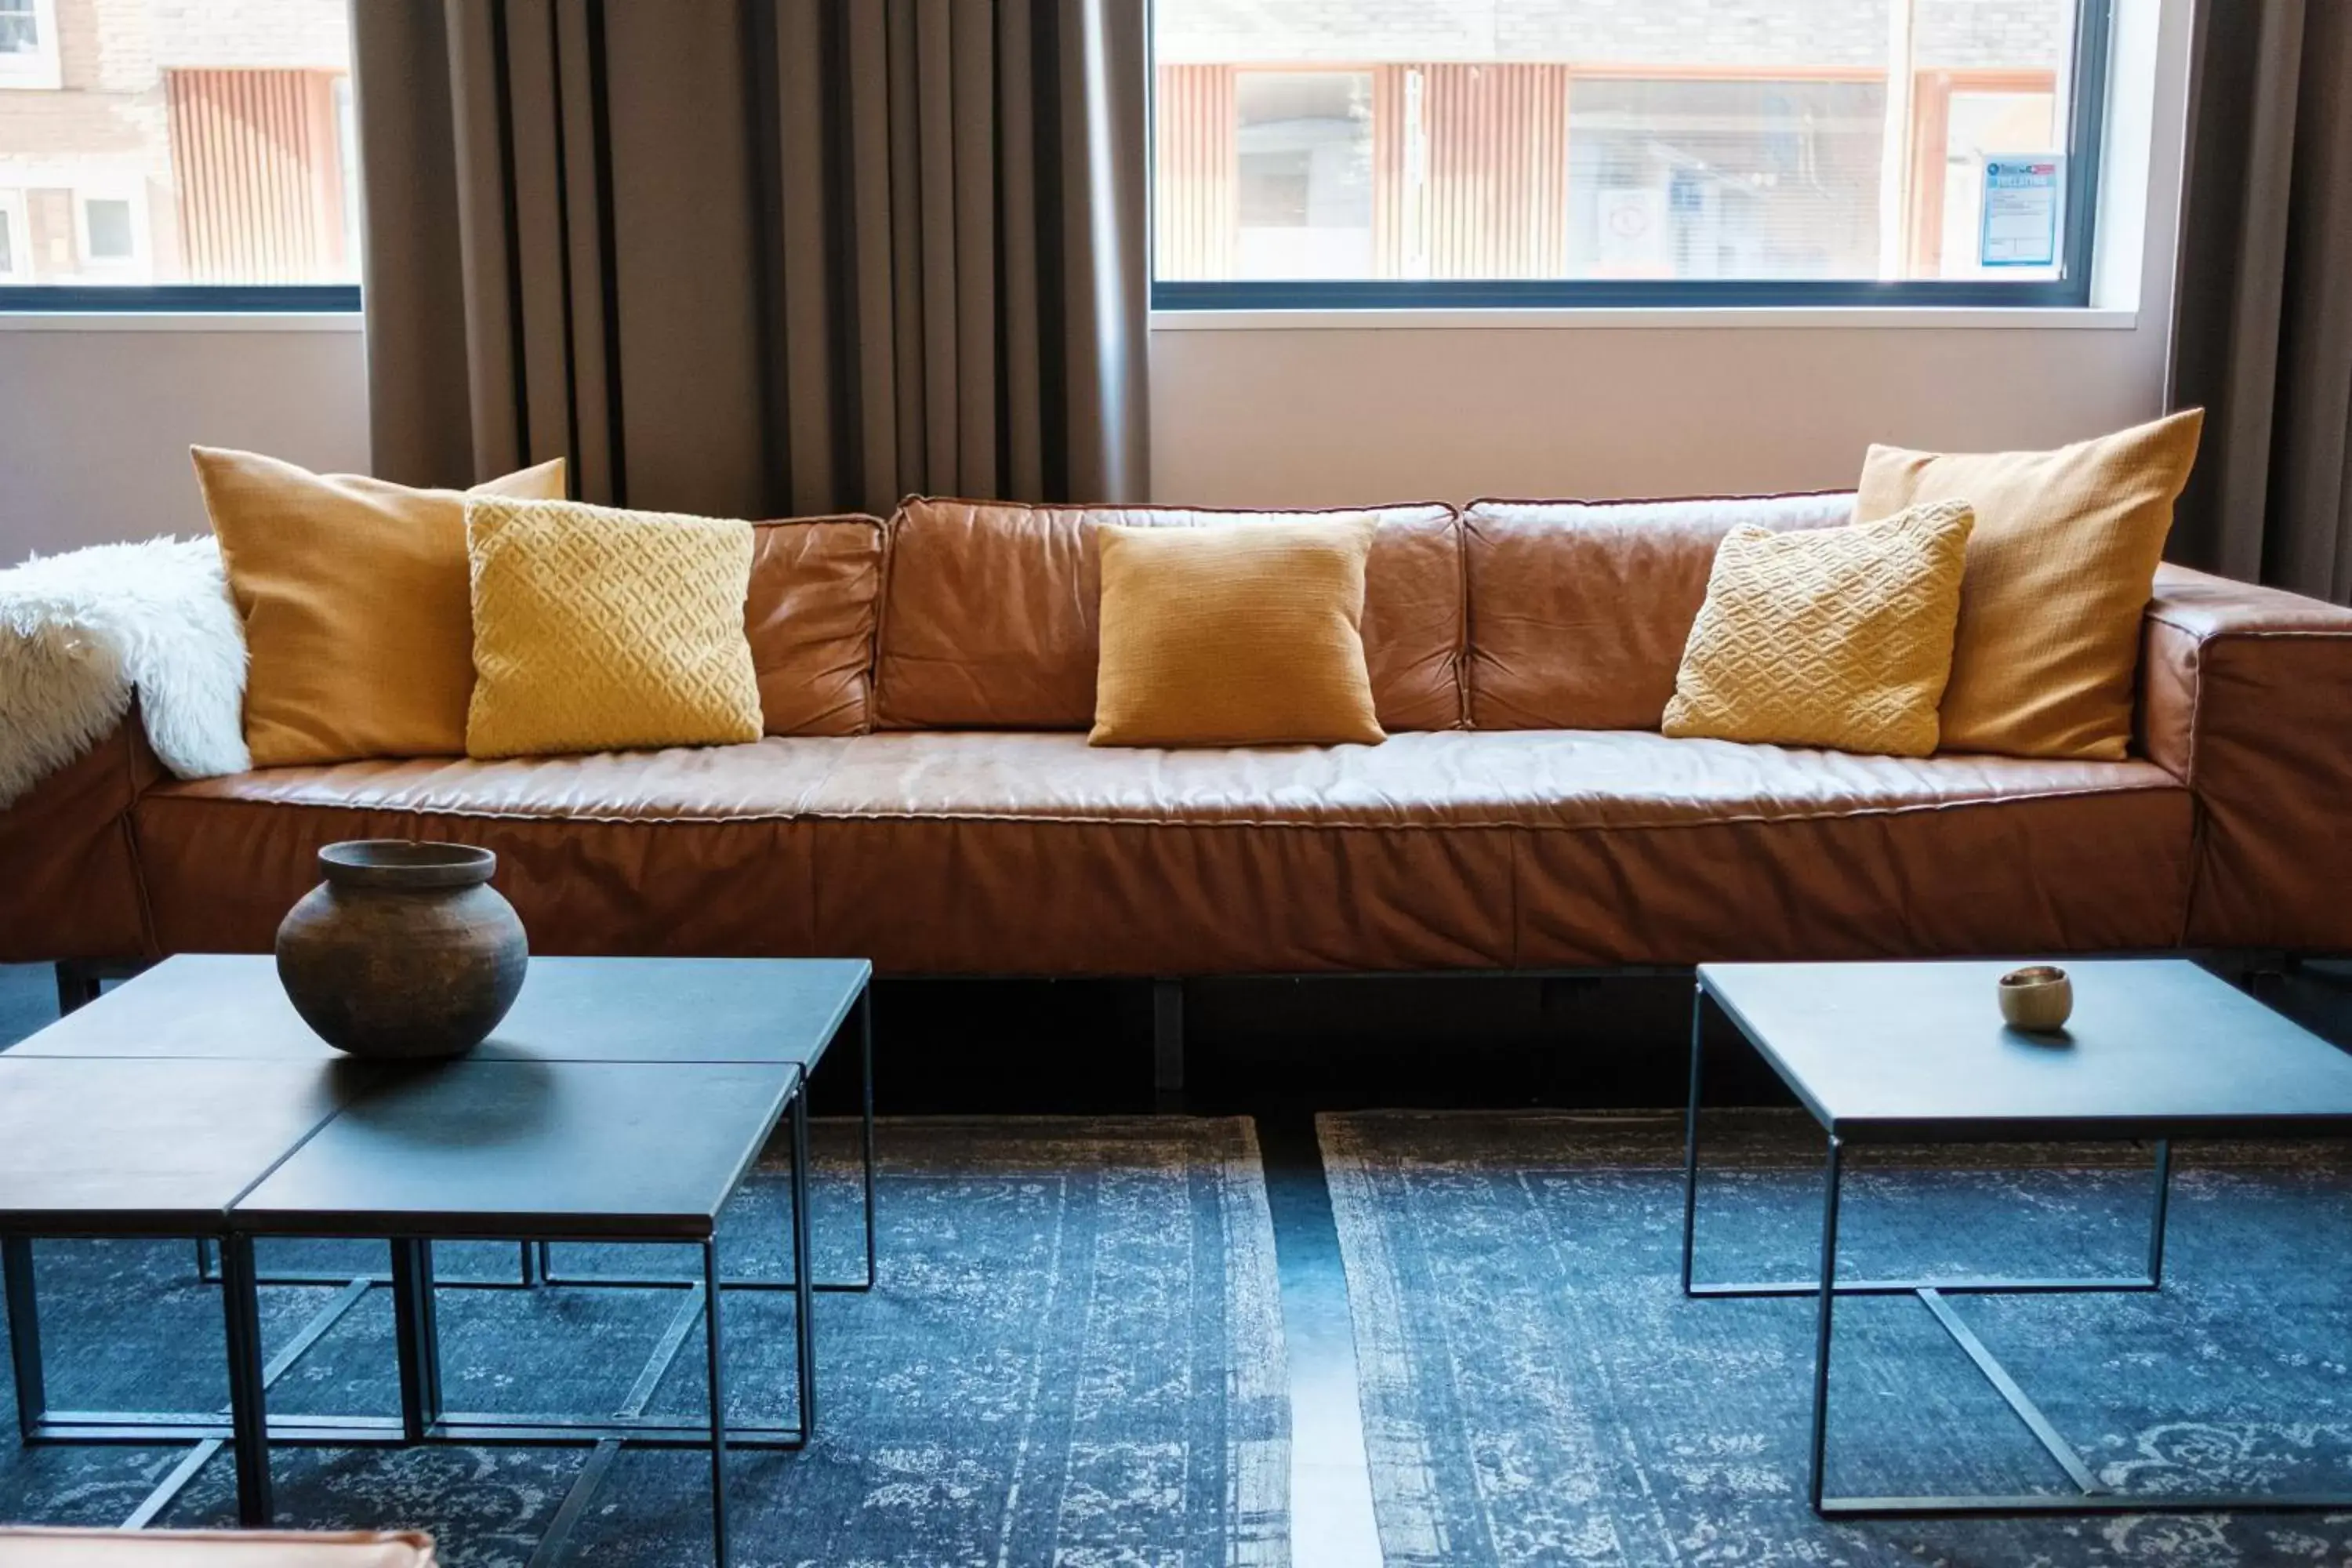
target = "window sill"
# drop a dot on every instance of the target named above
(1869, 318)
(181, 321)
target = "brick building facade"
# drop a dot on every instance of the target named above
(169, 141)
(1958, 35)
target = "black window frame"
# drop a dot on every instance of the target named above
(2087, 106)
(180, 298)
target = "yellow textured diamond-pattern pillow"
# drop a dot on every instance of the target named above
(596, 629)
(1838, 637)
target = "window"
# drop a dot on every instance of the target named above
(1322, 153)
(13, 264)
(1303, 153)
(28, 43)
(108, 234)
(198, 157)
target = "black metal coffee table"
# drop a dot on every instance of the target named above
(571, 1009)
(1917, 1053)
(621, 1099)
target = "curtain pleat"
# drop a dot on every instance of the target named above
(758, 256)
(2263, 337)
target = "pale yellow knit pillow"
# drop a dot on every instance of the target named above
(1835, 637)
(596, 629)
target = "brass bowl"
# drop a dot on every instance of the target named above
(2037, 999)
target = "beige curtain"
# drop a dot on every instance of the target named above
(758, 256)
(2263, 332)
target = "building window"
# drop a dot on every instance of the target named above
(28, 43)
(201, 159)
(105, 223)
(15, 239)
(1470, 151)
(109, 236)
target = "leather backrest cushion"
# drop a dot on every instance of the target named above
(989, 613)
(1579, 610)
(817, 591)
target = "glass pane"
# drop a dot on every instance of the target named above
(204, 142)
(20, 31)
(1303, 154)
(1724, 179)
(110, 230)
(1666, 140)
(1983, 125)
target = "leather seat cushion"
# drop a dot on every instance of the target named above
(978, 852)
(687, 851)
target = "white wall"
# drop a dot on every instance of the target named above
(95, 425)
(1318, 417)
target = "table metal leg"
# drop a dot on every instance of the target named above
(1690, 1137)
(24, 1333)
(1821, 1332)
(247, 1394)
(803, 1295)
(417, 1335)
(865, 1068)
(711, 1295)
(2163, 1206)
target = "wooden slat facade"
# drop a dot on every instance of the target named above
(1485, 196)
(1496, 201)
(257, 158)
(1195, 188)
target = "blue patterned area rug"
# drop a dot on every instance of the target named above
(1074, 1356)
(1537, 1390)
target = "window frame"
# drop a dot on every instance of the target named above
(16, 210)
(2086, 121)
(132, 198)
(83, 298)
(40, 70)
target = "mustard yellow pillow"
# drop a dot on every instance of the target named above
(596, 629)
(2060, 569)
(1834, 636)
(1233, 634)
(353, 592)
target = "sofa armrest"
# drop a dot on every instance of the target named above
(67, 862)
(2246, 696)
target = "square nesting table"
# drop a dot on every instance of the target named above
(620, 1100)
(1917, 1053)
(640, 1152)
(786, 1010)
(151, 1148)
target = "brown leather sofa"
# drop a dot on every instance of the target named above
(926, 796)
